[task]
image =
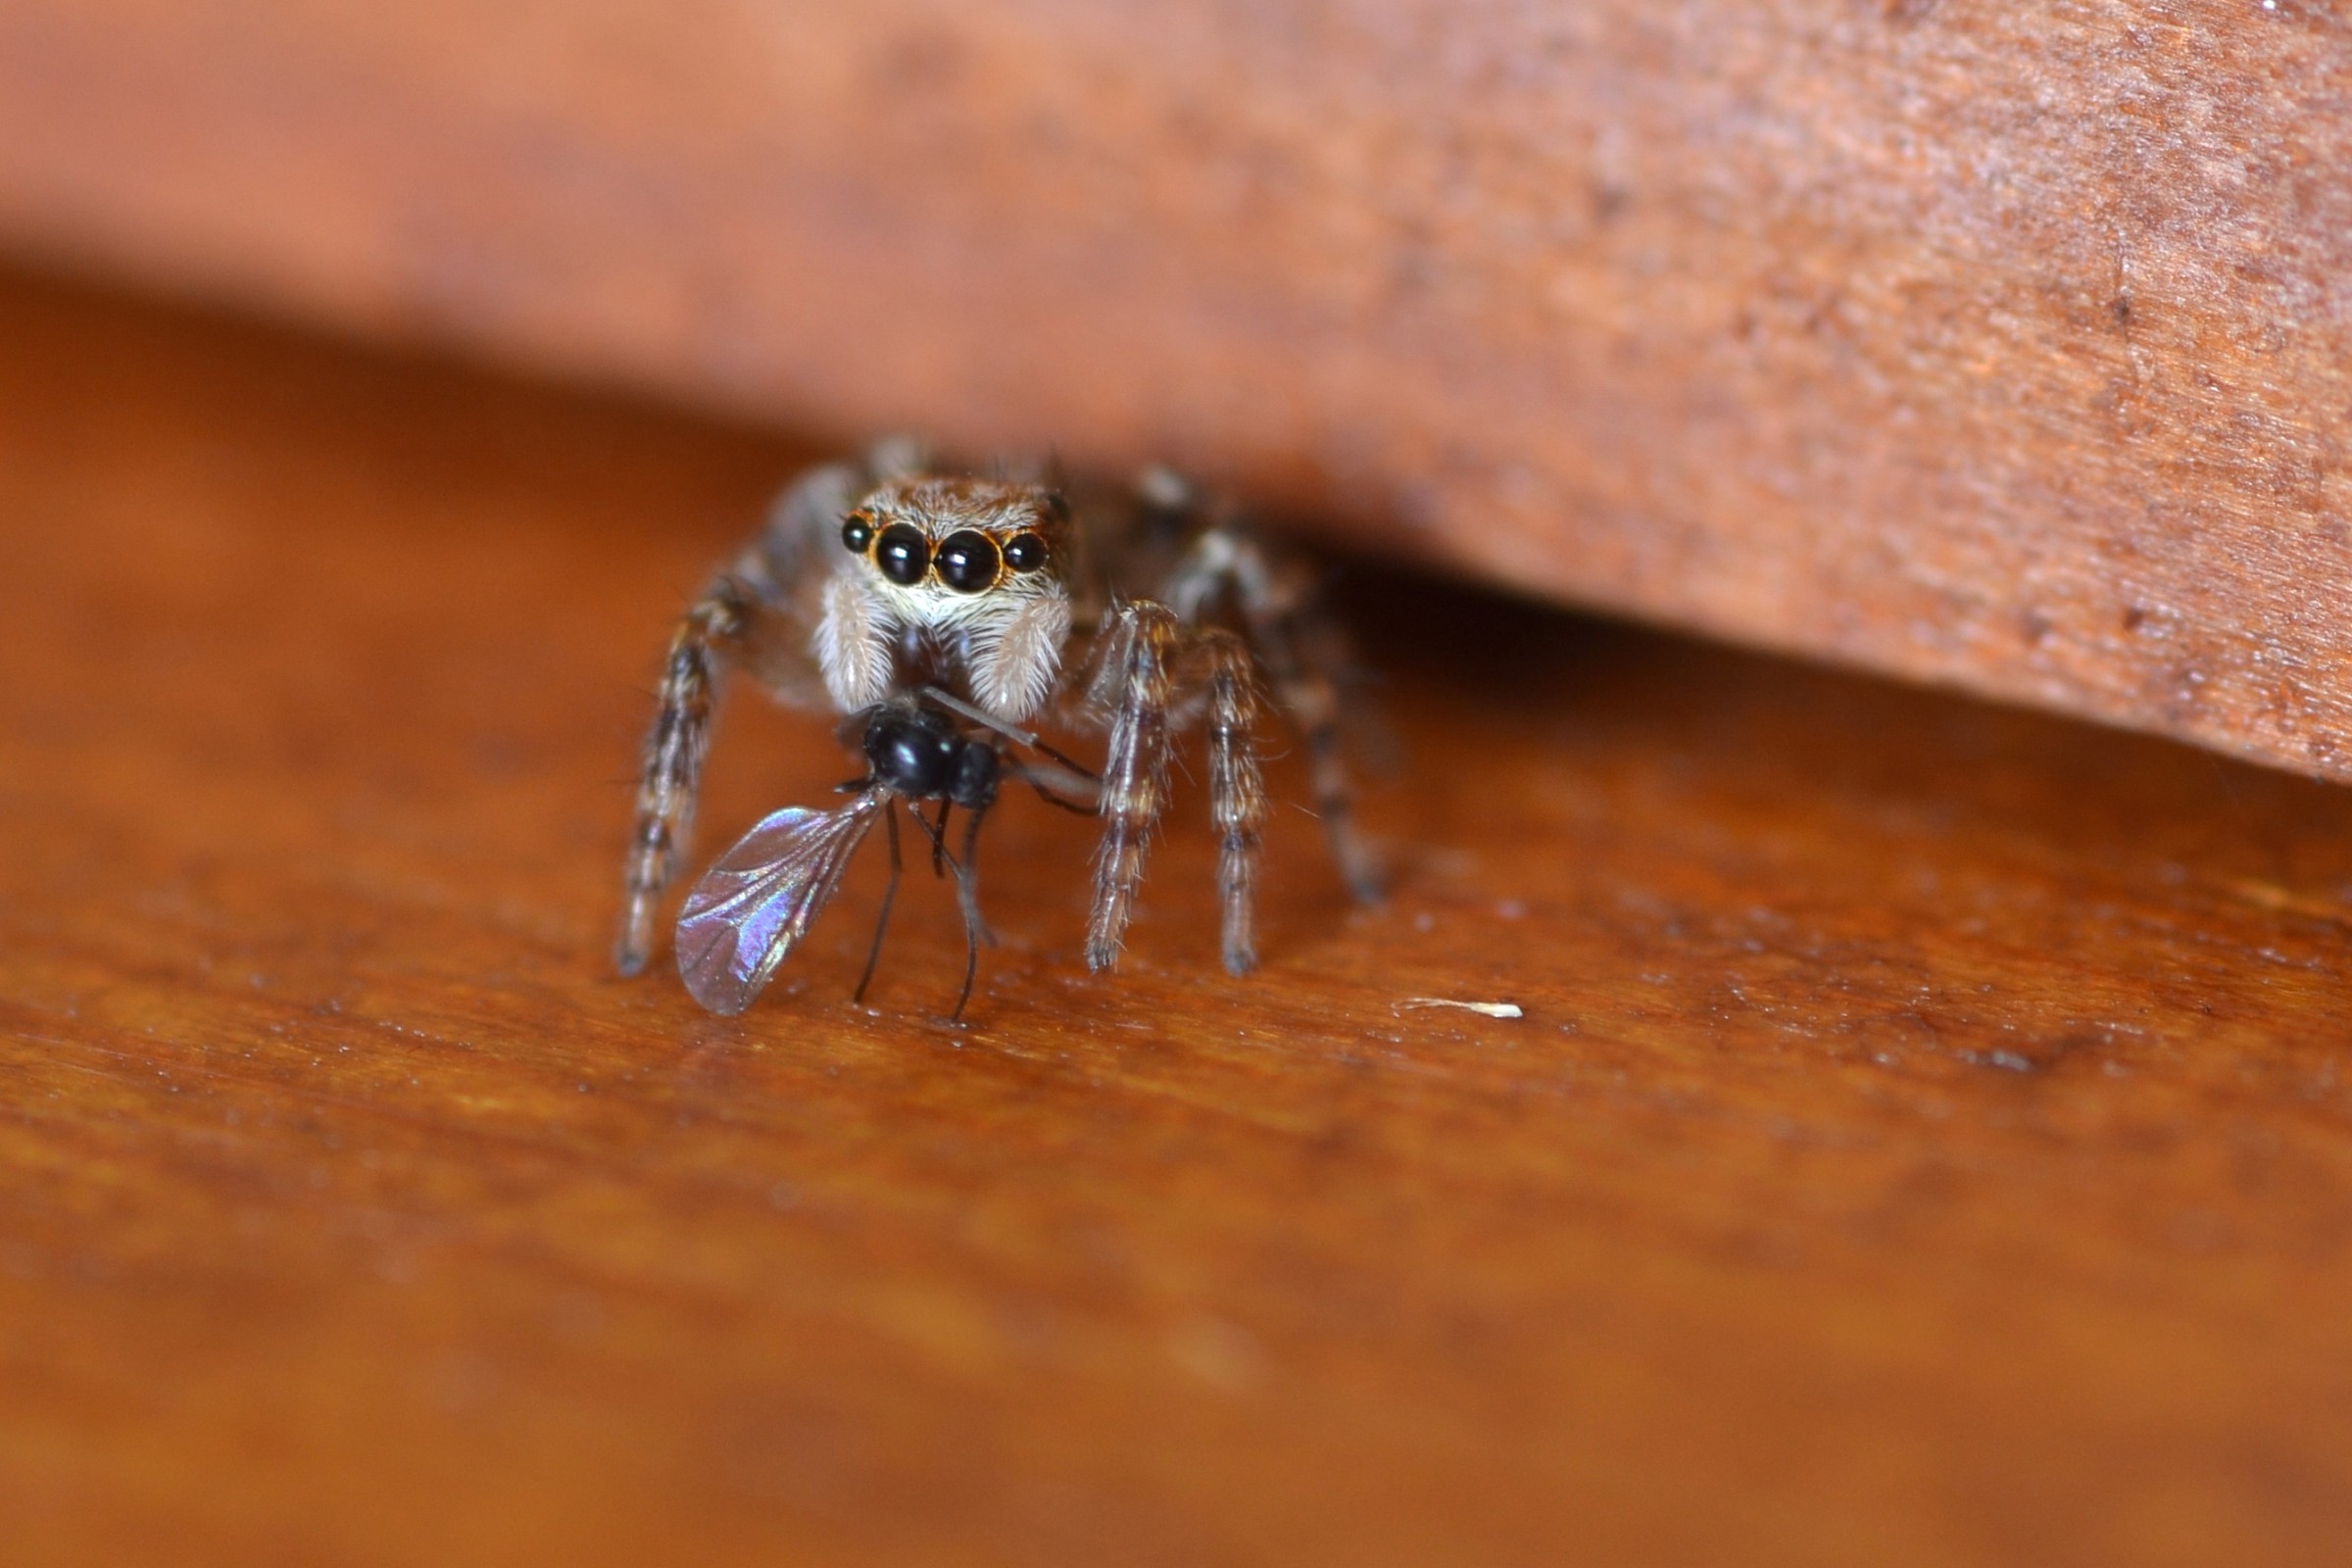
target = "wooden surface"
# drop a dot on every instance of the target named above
(1928, 1140)
(2002, 346)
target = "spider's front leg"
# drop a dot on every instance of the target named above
(672, 772)
(1138, 679)
(755, 614)
(1153, 656)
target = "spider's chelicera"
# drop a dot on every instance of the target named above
(941, 614)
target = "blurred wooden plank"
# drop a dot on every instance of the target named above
(1927, 1140)
(2007, 348)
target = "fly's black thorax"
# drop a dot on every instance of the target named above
(921, 754)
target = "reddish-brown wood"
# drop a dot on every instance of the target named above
(1928, 1139)
(1997, 345)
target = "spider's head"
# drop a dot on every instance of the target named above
(944, 542)
(979, 568)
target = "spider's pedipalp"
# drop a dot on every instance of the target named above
(853, 644)
(1014, 657)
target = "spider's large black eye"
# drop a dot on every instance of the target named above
(1024, 551)
(856, 533)
(903, 554)
(967, 560)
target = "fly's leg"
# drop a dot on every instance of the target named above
(890, 892)
(972, 819)
(968, 899)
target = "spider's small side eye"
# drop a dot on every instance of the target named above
(903, 554)
(1024, 551)
(856, 533)
(967, 560)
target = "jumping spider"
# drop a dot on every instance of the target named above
(939, 614)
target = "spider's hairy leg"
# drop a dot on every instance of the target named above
(672, 771)
(1309, 661)
(1306, 657)
(1142, 638)
(1236, 796)
(748, 616)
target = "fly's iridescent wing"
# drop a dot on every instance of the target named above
(754, 906)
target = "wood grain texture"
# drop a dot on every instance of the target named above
(1998, 346)
(1927, 1140)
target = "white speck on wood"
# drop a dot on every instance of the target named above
(1485, 1009)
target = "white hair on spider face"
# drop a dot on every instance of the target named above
(971, 573)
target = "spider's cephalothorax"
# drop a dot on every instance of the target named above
(884, 588)
(967, 576)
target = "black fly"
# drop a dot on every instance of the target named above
(756, 903)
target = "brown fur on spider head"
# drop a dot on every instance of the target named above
(962, 573)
